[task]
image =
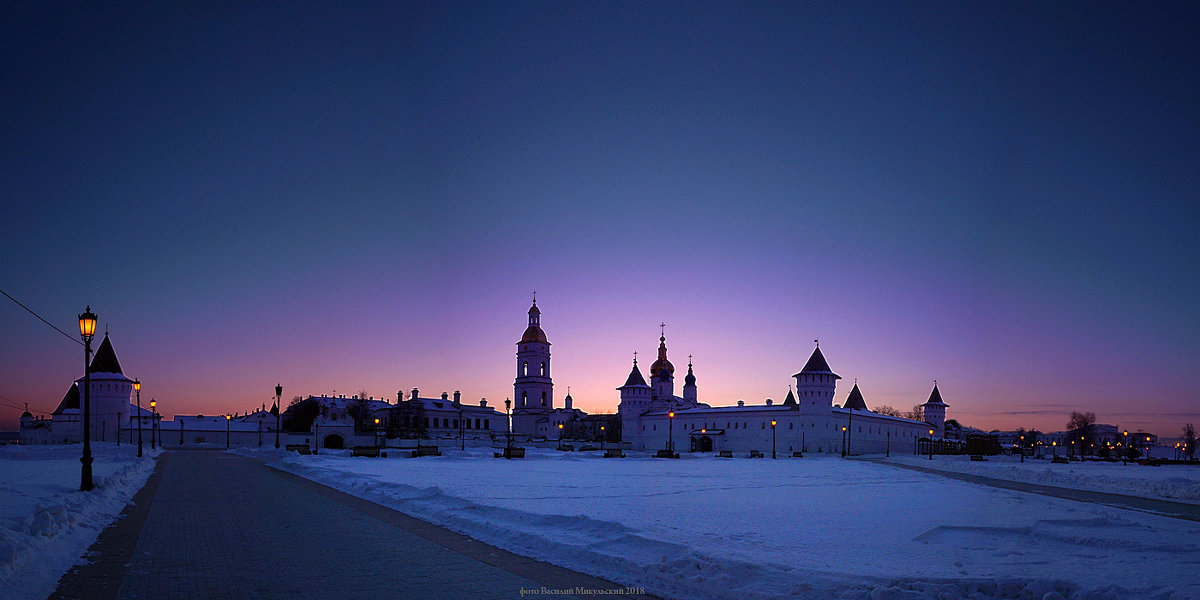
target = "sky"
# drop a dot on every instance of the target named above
(345, 198)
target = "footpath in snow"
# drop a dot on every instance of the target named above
(46, 523)
(1179, 483)
(818, 527)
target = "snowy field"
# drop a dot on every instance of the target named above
(1179, 483)
(46, 523)
(710, 528)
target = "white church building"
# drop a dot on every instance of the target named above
(653, 418)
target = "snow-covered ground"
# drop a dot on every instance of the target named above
(46, 523)
(710, 528)
(1180, 483)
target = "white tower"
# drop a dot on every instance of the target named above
(935, 412)
(815, 386)
(533, 389)
(635, 400)
(110, 393)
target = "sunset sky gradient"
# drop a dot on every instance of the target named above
(1001, 196)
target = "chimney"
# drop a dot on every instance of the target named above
(399, 396)
(445, 396)
(457, 397)
(741, 402)
(414, 394)
(769, 401)
(483, 402)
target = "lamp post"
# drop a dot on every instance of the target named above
(508, 420)
(137, 388)
(843, 441)
(278, 411)
(317, 436)
(376, 432)
(462, 430)
(87, 329)
(889, 444)
(1125, 449)
(1022, 448)
(227, 418)
(849, 429)
(260, 431)
(930, 444)
(1054, 448)
(671, 432)
(602, 438)
(772, 439)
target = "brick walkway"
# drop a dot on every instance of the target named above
(219, 526)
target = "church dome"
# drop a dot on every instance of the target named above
(661, 364)
(533, 333)
(26, 415)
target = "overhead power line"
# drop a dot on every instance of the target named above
(30, 310)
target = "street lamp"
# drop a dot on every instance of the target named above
(508, 419)
(227, 418)
(377, 431)
(1125, 450)
(560, 434)
(1022, 448)
(843, 441)
(930, 444)
(671, 432)
(87, 329)
(772, 439)
(278, 411)
(602, 438)
(889, 444)
(137, 387)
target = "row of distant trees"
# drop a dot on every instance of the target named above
(917, 413)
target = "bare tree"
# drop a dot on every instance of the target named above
(886, 410)
(1189, 441)
(1080, 424)
(917, 413)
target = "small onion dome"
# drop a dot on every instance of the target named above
(533, 310)
(26, 414)
(690, 378)
(533, 333)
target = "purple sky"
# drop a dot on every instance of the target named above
(1001, 197)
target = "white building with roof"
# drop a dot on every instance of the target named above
(654, 418)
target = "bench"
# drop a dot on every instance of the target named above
(514, 453)
(426, 451)
(1060, 460)
(666, 454)
(614, 454)
(567, 448)
(298, 448)
(978, 458)
(797, 454)
(370, 451)
(1150, 462)
(725, 454)
(756, 454)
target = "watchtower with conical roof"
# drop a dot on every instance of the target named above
(935, 412)
(635, 400)
(110, 393)
(533, 389)
(815, 385)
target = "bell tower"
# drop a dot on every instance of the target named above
(533, 389)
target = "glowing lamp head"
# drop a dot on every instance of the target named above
(601, 428)
(87, 323)
(137, 385)
(278, 390)
(376, 420)
(772, 422)
(703, 431)
(228, 417)
(671, 414)
(153, 403)
(930, 431)
(560, 426)
(844, 428)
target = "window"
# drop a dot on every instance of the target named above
(543, 369)
(543, 399)
(790, 425)
(524, 398)
(455, 424)
(427, 421)
(476, 423)
(764, 425)
(524, 368)
(486, 425)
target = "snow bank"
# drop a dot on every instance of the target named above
(719, 529)
(1180, 483)
(46, 523)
